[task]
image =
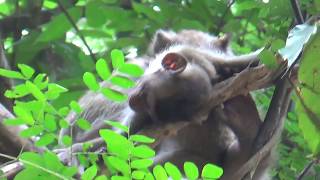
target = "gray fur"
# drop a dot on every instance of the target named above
(225, 138)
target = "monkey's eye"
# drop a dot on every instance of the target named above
(174, 62)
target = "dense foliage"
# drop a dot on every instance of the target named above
(71, 41)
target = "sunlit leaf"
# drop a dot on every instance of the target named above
(143, 151)
(138, 174)
(103, 69)
(211, 171)
(11, 74)
(122, 82)
(83, 124)
(141, 163)
(90, 173)
(117, 58)
(141, 138)
(90, 81)
(113, 95)
(50, 123)
(159, 173)
(26, 70)
(172, 171)
(35, 91)
(119, 164)
(76, 107)
(191, 170)
(118, 125)
(45, 140)
(131, 69)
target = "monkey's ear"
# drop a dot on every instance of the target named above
(222, 42)
(162, 40)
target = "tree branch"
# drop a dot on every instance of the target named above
(77, 30)
(306, 169)
(11, 143)
(297, 11)
(4, 82)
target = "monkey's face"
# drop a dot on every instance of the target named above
(173, 88)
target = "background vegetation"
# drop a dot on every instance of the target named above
(65, 39)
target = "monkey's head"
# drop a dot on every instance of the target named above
(179, 79)
(173, 87)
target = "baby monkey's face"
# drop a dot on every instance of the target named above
(173, 88)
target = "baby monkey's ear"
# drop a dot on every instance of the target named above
(223, 42)
(162, 40)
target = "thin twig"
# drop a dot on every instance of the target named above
(221, 22)
(77, 30)
(297, 11)
(306, 169)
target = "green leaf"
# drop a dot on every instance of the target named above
(117, 58)
(64, 111)
(114, 95)
(13, 122)
(268, 58)
(211, 171)
(143, 151)
(41, 81)
(20, 90)
(141, 163)
(90, 173)
(35, 91)
(103, 69)
(191, 170)
(11, 74)
(93, 13)
(90, 81)
(159, 173)
(67, 140)
(32, 131)
(101, 177)
(23, 114)
(119, 164)
(122, 82)
(277, 44)
(149, 176)
(63, 123)
(138, 174)
(54, 91)
(76, 107)
(45, 140)
(49, 4)
(172, 171)
(26, 70)
(83, 124)
(118, 125)
(308, 106)
(297, 37)
(116, 143)
(59, 25)
(50, 123)
(131, 70)
(141, 139)
(119, 178)
(32, 158)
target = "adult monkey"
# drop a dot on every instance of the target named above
(181, 70)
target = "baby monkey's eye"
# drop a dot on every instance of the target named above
(174, 62)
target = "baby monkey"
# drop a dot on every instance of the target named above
(180, 72)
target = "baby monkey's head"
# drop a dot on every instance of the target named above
(178, 81)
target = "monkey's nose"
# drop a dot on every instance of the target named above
(138, 99)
